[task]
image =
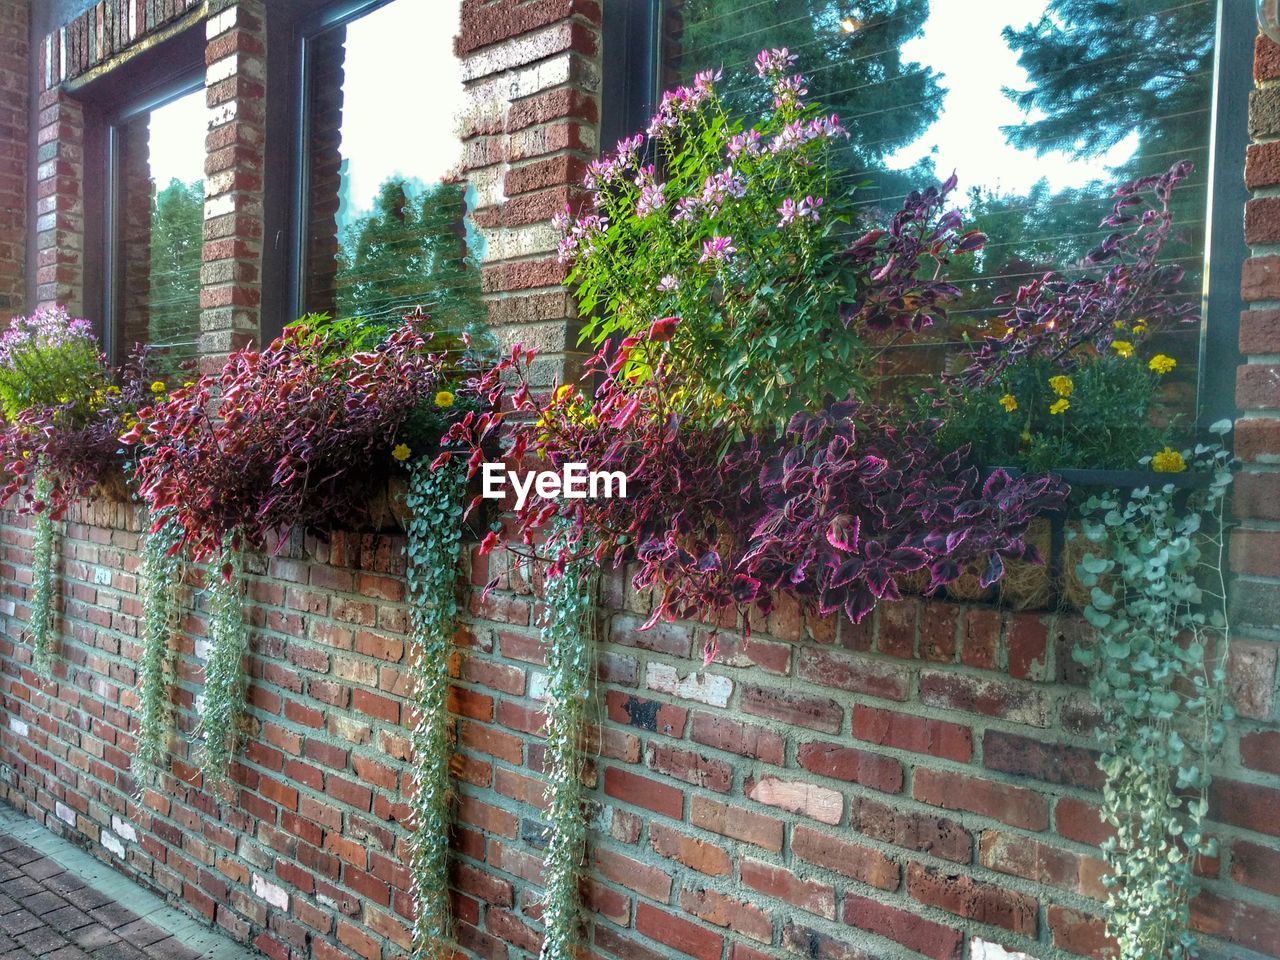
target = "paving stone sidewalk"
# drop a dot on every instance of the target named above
(58, 902)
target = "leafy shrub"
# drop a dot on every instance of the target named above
(746, 236)
(1074, 379)
(832, 512)
(70, 431)
(288, 436)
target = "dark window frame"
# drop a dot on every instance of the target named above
(631, 87)
(147, 82)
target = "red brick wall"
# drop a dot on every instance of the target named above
(925, 779)
(922, 784)
(14, 151)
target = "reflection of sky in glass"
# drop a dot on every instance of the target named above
(177, 139)
(402, 93)
(962, 40)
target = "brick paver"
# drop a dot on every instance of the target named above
(53, 908)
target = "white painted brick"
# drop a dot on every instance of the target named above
(202, 649)
(112, 843)
(220, 70)
(218, 206)
(124, 829)
(271, 893)
(216, 26)
(980, 949)
(507, 243)
(102, 576)
(222, 113)
(538, 682)
(516, 53)
(703, 687)
(19, 727)
(64, 813)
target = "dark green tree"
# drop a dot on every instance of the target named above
(408, 252)
(851, 55)
(1100, 70)
(177, 222)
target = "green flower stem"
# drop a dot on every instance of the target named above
(42, 585)
(567, 633)
(161, 575)
(224, 676)
(1158, 680)
(434, 499)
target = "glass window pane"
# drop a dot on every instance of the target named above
(385, 206)
(1041, 107)
(160, 173)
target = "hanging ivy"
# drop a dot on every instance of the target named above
(224, 677)
(161, 574)
(1155, 575)
(567, 633)
(42, 581)
(434, 500)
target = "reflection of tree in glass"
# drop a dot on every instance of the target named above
(177, 222)
(410, 251)
(851, 55)
(1100, 70)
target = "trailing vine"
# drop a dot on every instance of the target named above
(434, 499)
(1158, 677)
(224, 677)
(567, 633)
(42, 581)
(161, 571)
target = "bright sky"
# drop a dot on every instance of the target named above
(402, 95)
(962, 40)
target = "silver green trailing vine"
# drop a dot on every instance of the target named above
(1158, 678)
(224, 677)
(434, 500)
(567, 632)
(161, 575)
(42, 581)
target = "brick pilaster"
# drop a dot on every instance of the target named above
(532, 73)
(14, 49)
(230, 278)
(60, 198)
(1255, 546)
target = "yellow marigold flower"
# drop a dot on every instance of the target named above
(1168, 461)
(1009, 402)
(444, 399)
(1059, 406)
(1122, 347)
(1162, 364)
(113, 390)
(1062, 385)
(401, 452)
(1139, 328)
(157, 386)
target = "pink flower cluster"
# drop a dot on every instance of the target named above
(45, 327)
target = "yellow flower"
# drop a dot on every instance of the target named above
(1062, 385)
(401, 452)
(1009, 402)
(1162, 364)
(1168, 461)
(1117, 324)
(113, 390)
(1140, 328)
(157, 386)
(563, 392)
(1059, 406)
(1123, 347)
(443, 399)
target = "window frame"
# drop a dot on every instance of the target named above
(640, 21)
(305, 31)
(113, 305)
